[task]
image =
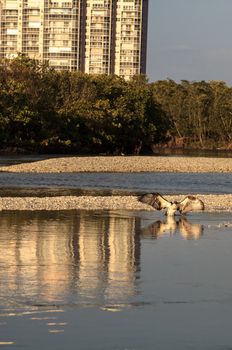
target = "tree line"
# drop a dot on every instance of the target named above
(200, 112)
(43, 110)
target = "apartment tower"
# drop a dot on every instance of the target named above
(94, 36)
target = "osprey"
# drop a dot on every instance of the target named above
(189, 203)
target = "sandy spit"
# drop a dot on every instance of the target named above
(125, 164)
(213, 203)
(115, 164)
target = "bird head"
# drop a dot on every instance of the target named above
(177, 204)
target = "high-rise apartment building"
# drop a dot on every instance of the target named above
(94, 36)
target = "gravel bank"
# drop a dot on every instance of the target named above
(125, 164)
(212, 203)
(115, 164)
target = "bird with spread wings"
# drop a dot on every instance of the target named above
(189, 203)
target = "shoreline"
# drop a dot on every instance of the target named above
(213, 203)
(129, 164)
(124, 164)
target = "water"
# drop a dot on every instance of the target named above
(115, 280)
(12, 159)
(113, 183)
(192, 152)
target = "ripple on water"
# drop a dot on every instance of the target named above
(72, 278)
(113, 183)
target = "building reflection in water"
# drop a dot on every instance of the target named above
(73, 257)
(110, 245)
(83, 258)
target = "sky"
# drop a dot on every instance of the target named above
(190, 40)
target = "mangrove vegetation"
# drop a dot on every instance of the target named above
(43, 110)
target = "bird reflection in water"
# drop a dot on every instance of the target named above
(171, 226)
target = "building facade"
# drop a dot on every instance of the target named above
(94, 36)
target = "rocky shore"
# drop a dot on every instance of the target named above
(213, 203)
(115, 164)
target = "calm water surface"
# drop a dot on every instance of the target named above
(115, 280)
(15, 184)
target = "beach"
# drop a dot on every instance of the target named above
(213, 203)
(222, 202)
(124, 164)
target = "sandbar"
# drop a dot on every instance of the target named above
(124, 164)
(128, 164)
(213, 203)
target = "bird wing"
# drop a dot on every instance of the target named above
(152, 230)
(189, 230)
(155, 200)
(190, 203)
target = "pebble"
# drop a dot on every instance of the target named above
(213, 203)
(124, 164)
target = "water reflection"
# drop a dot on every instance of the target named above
(56, 259)
(172, 225)
(76, 258)
(53, 265)
(110, 244)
